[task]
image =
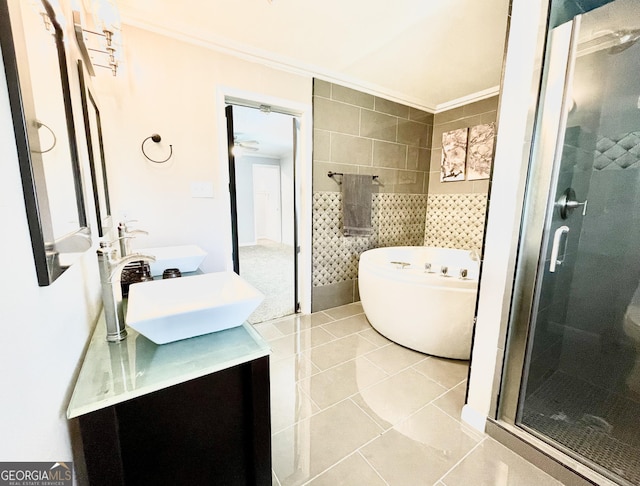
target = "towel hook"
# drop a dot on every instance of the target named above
(156, 138)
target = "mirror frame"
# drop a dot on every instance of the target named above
(52, 257)
(103, 214)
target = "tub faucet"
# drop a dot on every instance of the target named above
(125, 234)
(474, 254)
(111, 267)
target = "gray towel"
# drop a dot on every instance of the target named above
(356, 204)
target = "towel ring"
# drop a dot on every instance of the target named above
(39, 125)
(156, 138)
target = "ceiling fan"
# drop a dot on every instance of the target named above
(250, 145)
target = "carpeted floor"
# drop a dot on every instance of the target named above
(268, 266)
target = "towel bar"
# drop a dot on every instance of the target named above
(331, 174)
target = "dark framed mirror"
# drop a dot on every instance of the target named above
(95, 147)
(33, 52)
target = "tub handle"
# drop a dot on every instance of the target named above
(444, 270)
(427, 267)
(402, 265)
(463, 273)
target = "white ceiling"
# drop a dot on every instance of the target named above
(431, 54)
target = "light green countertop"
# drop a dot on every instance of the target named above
(115, 372)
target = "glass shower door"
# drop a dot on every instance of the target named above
(581, 385)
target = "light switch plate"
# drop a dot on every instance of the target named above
(201, 189)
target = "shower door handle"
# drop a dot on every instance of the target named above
(557, 236)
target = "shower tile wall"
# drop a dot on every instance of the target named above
(456, 210)
(356, 132)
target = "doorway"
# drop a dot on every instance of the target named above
(263, 205)
(572, 376)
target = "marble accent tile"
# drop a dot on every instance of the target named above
(352, 96)
(397, 397)
(452, 402)
(421, 449)
(455, 220)
(391, 155)
(345, 310)
(447, 372)
(394, 358)
(493, 464)
(339, 350)
(349, 325)
(308, 448)
(300, 322)
(348, 149)
(352, 471)
(336, 116)
(335, 384)
(378, 125)
(391, 108)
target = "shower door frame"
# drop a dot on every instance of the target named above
(534, 241)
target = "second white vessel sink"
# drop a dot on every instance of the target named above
(179, 308)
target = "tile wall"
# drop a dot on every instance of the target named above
(456, 210)
(356, 132)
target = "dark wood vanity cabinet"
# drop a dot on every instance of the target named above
(211, 430)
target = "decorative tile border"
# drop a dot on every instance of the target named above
(397, 220)
(620, 152)
(455, 220)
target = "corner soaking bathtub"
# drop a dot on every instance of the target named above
(419, 309)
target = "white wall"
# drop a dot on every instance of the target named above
(44, 329)
(513, 142)
(170, 87)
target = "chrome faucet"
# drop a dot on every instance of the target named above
(111, 267)
(125, 234)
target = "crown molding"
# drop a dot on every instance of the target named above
(296, 67)
(471, 98)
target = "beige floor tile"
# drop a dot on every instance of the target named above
(348, 325)
(393, 358)
(375, 337)
(397, 397)
(293, 344)
(452, 402)
(301, 322)
(339, 351)
(308, 448)
(492, 464)
(290, 405)
(447, 372)
(421, 449)
(329, 387)
(354, 470)
(291, 370)
(345, 310)
(268, 331)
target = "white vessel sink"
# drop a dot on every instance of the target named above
(186, 258)
(179, 308)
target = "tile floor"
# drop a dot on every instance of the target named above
(349, 407)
